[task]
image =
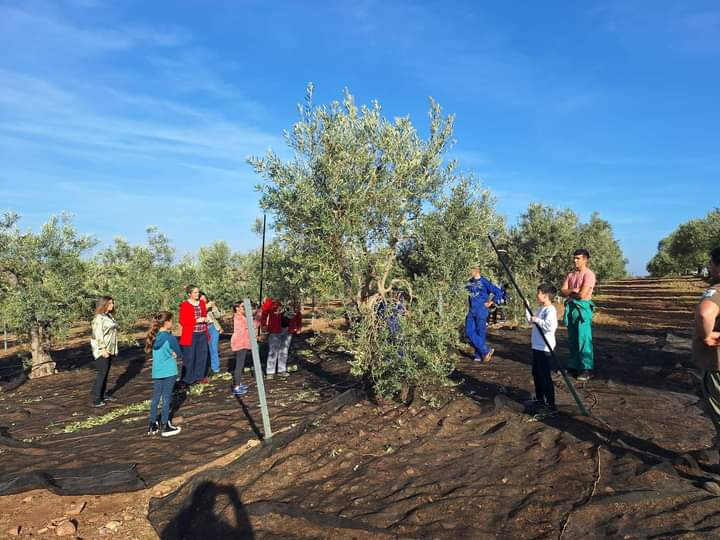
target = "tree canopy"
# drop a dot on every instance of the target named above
(686, 249)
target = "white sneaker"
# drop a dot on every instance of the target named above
(169, 430)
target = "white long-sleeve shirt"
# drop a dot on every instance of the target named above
(546, 318)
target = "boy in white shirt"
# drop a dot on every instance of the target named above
(545, 318)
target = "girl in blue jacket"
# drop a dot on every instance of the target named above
(165, 353)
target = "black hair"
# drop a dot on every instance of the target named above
(715, 255)
(584, 252)
(190, 288)
(548, 289)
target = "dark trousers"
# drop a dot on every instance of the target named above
(544, 389)
(240, 364)
(98, 389)
(195, 358)
(162, 388)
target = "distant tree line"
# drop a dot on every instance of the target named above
(685, 250)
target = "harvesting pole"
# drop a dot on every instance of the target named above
(258, 370)
(562, 370)
(262, 261)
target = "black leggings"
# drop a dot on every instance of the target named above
(103, 368)
(240, 364)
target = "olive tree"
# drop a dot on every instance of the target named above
(141, 278)
(351, 196)
(608, 261)
(220, 273)
(540, 246)
(353, 191)
(42, 282)
(686, 249)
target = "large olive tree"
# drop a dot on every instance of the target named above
(354, 201)
(353, 190)
(42, 282)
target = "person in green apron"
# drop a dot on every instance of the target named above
(577, 289)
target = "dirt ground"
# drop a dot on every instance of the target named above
(479, 467)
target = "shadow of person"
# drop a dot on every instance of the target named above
(134, 366)
(214, 511)
(179, 396)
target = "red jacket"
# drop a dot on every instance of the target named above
(270, 316)
(187, 321)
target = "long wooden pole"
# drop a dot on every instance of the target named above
(262, 262)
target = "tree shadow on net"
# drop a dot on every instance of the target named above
(593, 430)
(213, 511)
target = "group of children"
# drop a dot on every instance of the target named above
(280, 319)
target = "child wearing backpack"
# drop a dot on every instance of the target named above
(544, 319)
(240, 345)
(165, 352)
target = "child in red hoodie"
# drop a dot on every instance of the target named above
(277, 326)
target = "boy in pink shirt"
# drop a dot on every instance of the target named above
(578, 288)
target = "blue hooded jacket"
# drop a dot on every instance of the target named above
(163, 363)
(480, 290)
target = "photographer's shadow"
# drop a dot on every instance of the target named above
(208, 515)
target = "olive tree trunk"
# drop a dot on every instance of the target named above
(42, 362)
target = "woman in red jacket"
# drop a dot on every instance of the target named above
(194, 337)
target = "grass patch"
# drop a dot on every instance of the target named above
(95, 421)
(196, 389)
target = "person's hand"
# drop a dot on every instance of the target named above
(534, 319)
(105, 354)
(174, 354)
(488, 304)
(713, 340)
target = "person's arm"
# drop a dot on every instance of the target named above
(548, 322)
(175, 346)
(565, 289)
(497, 292)
(708, 312)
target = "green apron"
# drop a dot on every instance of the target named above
(578, 319)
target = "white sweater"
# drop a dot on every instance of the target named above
(546, 318)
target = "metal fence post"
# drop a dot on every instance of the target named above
(258, 370)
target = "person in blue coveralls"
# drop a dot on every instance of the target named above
(482, 294)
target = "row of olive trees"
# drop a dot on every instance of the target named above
(686, 249)
(49, 281)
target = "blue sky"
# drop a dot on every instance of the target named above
(131, 113)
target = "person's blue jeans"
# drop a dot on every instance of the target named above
(214, 353)
(162, 388)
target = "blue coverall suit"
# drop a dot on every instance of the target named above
(476, 321)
